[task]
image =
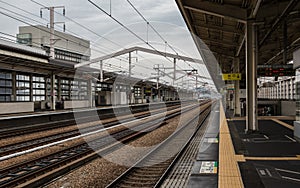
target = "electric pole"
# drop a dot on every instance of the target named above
(52, 40)
(52, 50)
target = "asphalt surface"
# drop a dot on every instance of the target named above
(272, 140)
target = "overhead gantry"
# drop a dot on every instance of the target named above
(145, 50)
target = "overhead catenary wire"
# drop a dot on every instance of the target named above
(128, 29)
(69, 40)
(150, 25)
(37, 44)
(23, 16)
(36, 20)
(45, 30)
(88, 29)
(81, 25)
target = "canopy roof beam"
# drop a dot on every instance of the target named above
(136, 48)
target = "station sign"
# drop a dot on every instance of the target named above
(209, 167)
(275, 70)
(212, 140)
(148, 90)
(232, 76)
(230, 86)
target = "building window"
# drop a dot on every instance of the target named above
(5, 86)
(137, 92)
(65, 89)
(83, 93)
(23, 87)
(48, 82)
(38, 88)
(79, 90)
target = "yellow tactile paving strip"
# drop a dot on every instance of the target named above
(273, 158)
(264, 118)
(229, 173)
(283, 124)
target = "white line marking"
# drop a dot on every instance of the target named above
(294, 179)
(76, 137)
(266, 137)
(288, 171)
(290, 138)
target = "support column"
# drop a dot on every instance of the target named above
(52, 51)
(129, 96)
(31, 88)
(90, 92)
(101, 71)
(251, 77)
(129, 62)
(114, 96)
(53, 92)
(237, 107)
(174, 74)
(14, 87)
(59, 89)
(142, 93)
(196, 81)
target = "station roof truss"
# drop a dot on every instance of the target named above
(28, 60)
(134, 49)
(221, 25)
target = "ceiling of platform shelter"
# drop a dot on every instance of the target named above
(220, 24)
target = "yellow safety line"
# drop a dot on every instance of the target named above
(263, 118)
(283, 124)
(273, 158)
(229, 173)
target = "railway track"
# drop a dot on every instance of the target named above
(55, 122)
(21, 146)
(59, 163)
(181, 171)
(151, 170)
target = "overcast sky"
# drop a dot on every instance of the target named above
(163, 15)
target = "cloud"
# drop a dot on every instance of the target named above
(162, 14)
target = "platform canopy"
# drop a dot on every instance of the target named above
(221, 25)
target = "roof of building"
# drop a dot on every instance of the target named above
(8, 45)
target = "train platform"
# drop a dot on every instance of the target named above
(269, 157)
(229, 157)
(66, 111)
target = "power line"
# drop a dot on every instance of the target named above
(129, 30)
(148, 23)
(121, 25)
(46, 30)
(86, 28)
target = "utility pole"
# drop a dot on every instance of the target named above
(52, 40)
(101, 71)
(129, 61)
(174, 74)
(157, 68)
(52, 51)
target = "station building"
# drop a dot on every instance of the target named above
(31, 81)
(280, 89)
(67, 47)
